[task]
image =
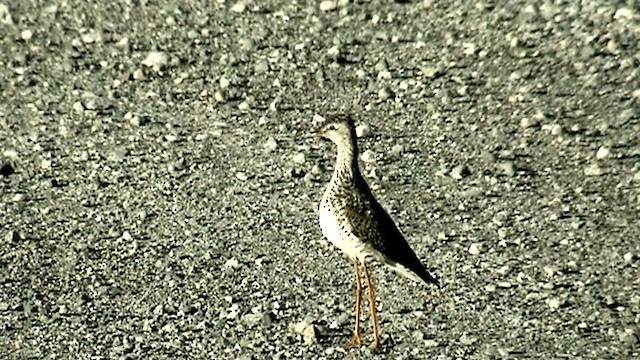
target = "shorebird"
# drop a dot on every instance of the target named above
(353, 220)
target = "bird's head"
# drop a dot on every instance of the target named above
(339, 129)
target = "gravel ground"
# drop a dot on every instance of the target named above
(159, 189)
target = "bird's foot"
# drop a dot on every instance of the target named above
(354, 342)
(374, 344)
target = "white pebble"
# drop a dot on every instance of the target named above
(628, 257)
(602, 153)
(397, 150)
(232, 263)
(156, 60)
(328, 5)
(239, 7)
(556, 130)
(593, 170)
(363, 130)
(26, 35)
(474, 249)
(553, 303)
(299, 158)
(368, 156)
(271, 144)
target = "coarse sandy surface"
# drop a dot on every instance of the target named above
(159, 187)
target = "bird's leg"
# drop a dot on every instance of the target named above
(372, 308)
(356, 341)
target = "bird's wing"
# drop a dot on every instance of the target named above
(372, 224)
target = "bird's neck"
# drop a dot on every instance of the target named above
(346, 170)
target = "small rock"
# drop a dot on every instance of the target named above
(460, 172)
(623, 14)
(603, 153)
(474, 249)
(363, 130)
(508, 168)
(397, 150)
(553, 303)
(224, 82)
(628, 257)
(468, 340)
(5, 15)
(526, 123)
(232, 263)
(271, 144)
(328, 5)
(385, 93)
(138, 74)
(239, 7)
(556, 130)
(243, 106)
(26, 35)
(261, 67)
(156, 60)
(299, 158)
(593, 170)
(368, 157)
(628, 337)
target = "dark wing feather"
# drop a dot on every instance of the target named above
(372, 224)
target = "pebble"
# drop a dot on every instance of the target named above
(468, 340)
(628, 257)
(602, 153)
(328, 5)
(271, 144)
(26, 35)
(261, 67)
(239, 7)
(385, 93)
(526, 123)
(299, 158)
(5, 15)
(156, 60)
(628, 337)
(363, 130)
(508, 168)
(474, 249)
(232, 263)
(368, 157)
(593, 170)
(397, 150)
(460, 171)
(553, 303)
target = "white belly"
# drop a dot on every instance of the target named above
(343, 239)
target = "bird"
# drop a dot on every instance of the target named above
(354, 221)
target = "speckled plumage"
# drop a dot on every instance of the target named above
(350, 202)
(353, 220)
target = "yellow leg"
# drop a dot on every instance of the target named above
(372, 309)
(356, 341)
